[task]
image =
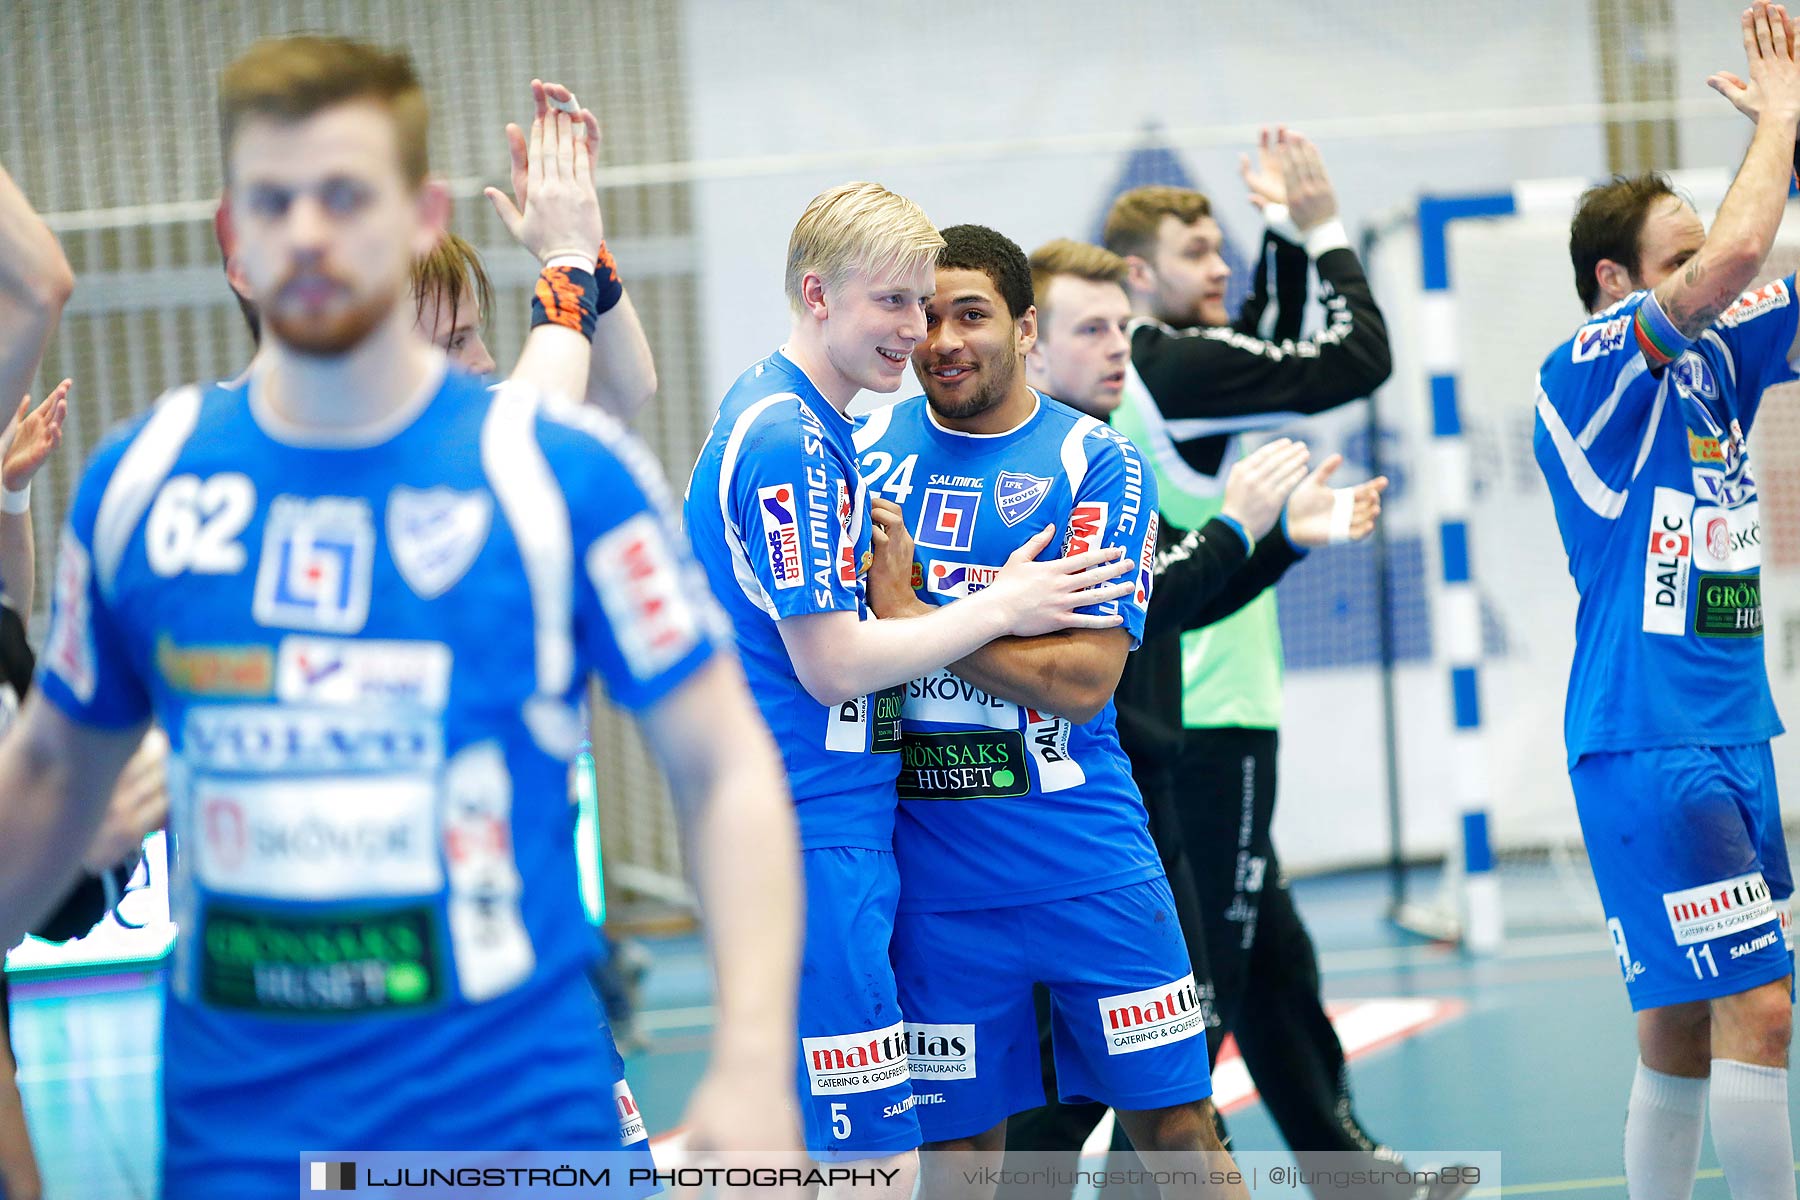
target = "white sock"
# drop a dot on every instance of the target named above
(1662, 1134)
(1750, 1130)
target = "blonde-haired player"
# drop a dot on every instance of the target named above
(778, 517)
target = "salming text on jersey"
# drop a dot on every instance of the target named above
(778, 520)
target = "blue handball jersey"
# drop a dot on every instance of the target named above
(368, 660)
(775, 509)
(1650, 473)
(1001, 804)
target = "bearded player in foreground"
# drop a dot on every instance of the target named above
(358, 504)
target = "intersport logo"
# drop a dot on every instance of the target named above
(781, 535)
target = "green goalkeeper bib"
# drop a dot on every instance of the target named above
(1231, 670)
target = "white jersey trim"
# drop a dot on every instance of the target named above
(1594, 493)
(538, 513)
(1724, 353)
(1656, 412)
(1074, 454)
(380, 431)
(874, 427)
(632, 454)
(1596, 423)
(141, 471)
(793, 362)
(1037, 406)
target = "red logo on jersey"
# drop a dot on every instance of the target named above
(1087, 528)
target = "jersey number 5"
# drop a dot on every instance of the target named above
(194, 525)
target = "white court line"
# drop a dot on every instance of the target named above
(1523, 949)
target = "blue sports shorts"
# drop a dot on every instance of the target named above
(1127, 1025)
(1687, 850)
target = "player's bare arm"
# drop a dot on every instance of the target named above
(621, 370)
(59, 776)
(1734, 250)
(25, 446)
(837, 656)
(622, 378)
(621, 375)
(35, 283)
(555, 214)
(740, 844)
(1748, 102)
(138, 808)
(1071, 673)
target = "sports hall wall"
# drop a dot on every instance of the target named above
(722, 117)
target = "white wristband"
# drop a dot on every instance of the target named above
(1343, 508)
(1329, 235)
(1281, 223)
(586, 262)
(15, 502)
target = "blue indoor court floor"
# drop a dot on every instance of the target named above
(1529, 1053)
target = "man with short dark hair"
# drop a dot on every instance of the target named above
(1643, 425)
(1021, 840)
(1610, 225)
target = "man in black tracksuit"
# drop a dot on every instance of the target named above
(1203, 576)
(1196, 384)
